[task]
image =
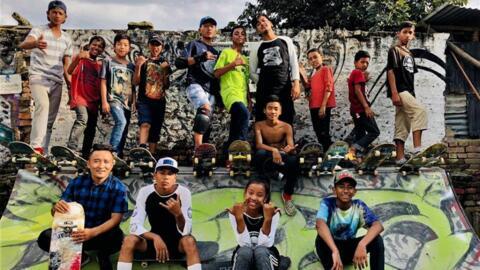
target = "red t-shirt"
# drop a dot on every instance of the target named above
(356, 77)
(318, 83)
(85, 88)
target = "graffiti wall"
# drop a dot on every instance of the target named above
(339, 48)
(425, 227)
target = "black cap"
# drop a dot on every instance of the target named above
(208, 19)
(57, 4)
(343, 176)
(155, 38)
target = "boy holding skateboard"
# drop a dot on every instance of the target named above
(85, 95)
(322, 96)
(51, 51)
(409, 113)
(338, 220)
(199, 57)
(233, 70)
(167, 205)
(151, 76)
(274, 140)
(366, 129)
(104, 199)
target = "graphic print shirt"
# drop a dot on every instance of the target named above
(252, 235)
(119, 81)
(401, 61)
(153, 80)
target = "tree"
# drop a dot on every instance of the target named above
(368, 15)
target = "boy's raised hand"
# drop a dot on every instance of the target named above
(238, 61)
(41, 43)
(140, 60)
(174, 206)
(83, 54)
(269, 210)
(237, 210)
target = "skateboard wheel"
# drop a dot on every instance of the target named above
(131, 164)
(360, 172)
(442, 160)
(404, 173)
(377, 153)
(319, 160)
(230, 157)
(310, 174)
(375, 172)
(195, 173)
(195, 160)
(394, 153)
(249, 157)
(231, 173)
(14, 159)
(74, 163)
(214, 160)
(301, 160)
(318, 173)
(33, 159)
(247, 173)
(54, 173)
(55, 162)
(424, 159)
(150, 164)
(144, 265)
(329, 157)
(127, 174)
(210, 173)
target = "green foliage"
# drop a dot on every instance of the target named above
(350, 14)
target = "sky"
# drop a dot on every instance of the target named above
(115, 14)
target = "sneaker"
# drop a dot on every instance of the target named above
(290, 208)
(400, 162)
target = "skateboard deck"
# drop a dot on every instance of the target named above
(64, 156)
(143, 159)
(207, 251)
(22, 154)
(120, 168)
(64, 252)
(310, 158)
(239, 155)
(335, 153)
(431, 156)
(376, 157)
(204, 159)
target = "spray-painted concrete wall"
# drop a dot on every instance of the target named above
(339, 48)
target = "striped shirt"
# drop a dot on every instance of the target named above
(49, 61)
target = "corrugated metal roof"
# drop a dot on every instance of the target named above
(448, 16)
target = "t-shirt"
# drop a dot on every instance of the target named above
(318, 83)
(49, 61)
(344, 224)
(234, 83)
(119, 81)
(201, 73)
(252, 235)
(85, 89)
(356, 77)
(162, 222)
(98, 201)
(275, 65)
(153, 78)
(401, 61)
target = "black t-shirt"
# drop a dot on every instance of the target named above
(401, 61)
(201, 73)
(153, 80)
(274, 65)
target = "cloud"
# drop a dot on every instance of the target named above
(115, 14)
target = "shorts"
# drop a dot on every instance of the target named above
(199, 97)
(151, 112)
(410, 116)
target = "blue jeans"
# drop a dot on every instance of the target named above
(121, 117)
(239, 122)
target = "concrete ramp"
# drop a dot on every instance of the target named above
(425, 226)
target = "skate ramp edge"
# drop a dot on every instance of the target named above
(425, 226)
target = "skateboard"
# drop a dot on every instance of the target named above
(334, 155)
(143, 159)
(120, 168)
(207, 251)
(376, 157)
(64, 156)
(22, 154)
(239, 155)
(431, 156)
(64, 252)
(310, 158)
(204, 159)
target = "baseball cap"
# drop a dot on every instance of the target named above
(155, 38)
(167, 162)
(208, 19)
(57, 4)
(344, 176)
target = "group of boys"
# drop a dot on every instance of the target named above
(212, 78)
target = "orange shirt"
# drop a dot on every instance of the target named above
(318, 83)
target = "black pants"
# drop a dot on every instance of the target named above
(365, 131)
(347, 250)
(321, 126)
(288, 109)
(89, 133)
(106, 244)
(289, 168)
(238, 123)
(128, 115)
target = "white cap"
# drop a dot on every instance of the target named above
(167, 162)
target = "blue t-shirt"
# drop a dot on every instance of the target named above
(344, 224)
